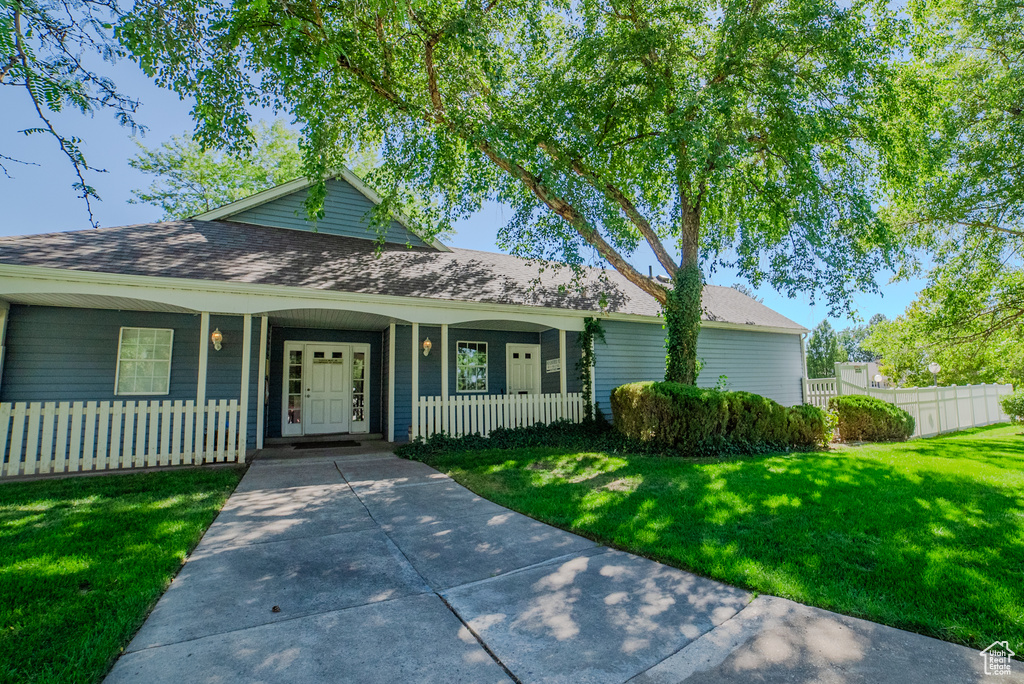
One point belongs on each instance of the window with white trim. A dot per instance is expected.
(144, 361)
(471, 367)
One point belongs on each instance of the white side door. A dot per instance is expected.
(522, 363)
(327, 403)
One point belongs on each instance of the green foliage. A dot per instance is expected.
(851, 340)
(716, 128)
(823, 352)
(590, 434)
(1013, 405)
(688, 419)
(83, 560)
(810, 427)
(191, 179)
(958, 132)
(867, 419)
(923, 334)
(682, 325)
(591, 334)
(46, 49)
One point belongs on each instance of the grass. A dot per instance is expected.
(83, 560)
(925, 535)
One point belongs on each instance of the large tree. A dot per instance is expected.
(715, 133)
(47, 49)
(191, 179)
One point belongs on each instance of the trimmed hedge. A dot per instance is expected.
(1013, 405)
(692, 419)
(867, 419)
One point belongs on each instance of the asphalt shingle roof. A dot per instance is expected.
(244, 253)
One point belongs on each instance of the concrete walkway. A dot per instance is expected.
(368, 568)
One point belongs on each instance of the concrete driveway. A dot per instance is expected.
(369, 568)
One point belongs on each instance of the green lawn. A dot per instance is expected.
(82, 561)
(925, 535)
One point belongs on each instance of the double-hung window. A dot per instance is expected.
(471, 367)
(144, 361)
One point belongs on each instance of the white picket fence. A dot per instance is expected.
(466, 415)
(935, 409)
(72, 437)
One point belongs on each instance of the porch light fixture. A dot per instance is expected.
(217, 337)
(426, 347)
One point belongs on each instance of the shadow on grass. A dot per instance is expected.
(82, 560)
(926, 535)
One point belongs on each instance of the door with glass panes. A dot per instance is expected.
(325, 388)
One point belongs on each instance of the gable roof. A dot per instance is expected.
(248, 208)
(237, 252)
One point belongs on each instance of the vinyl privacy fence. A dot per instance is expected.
(935, 409)
(83, 436)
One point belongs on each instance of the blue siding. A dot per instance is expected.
(430, 366)
(551, 382)
(346, 212)
(64, 354)
(769, 364)
(279, 336)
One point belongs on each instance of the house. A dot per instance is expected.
(194, 340)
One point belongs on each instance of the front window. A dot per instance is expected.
(144, 361)
(471, 367)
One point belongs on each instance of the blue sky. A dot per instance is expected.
(40, 199)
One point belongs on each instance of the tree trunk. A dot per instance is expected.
(683, 307)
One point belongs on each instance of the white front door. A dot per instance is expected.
(325, 388)
(326, 404)
(522, 363)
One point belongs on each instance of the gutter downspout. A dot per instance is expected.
(803, 357)
(5, 310)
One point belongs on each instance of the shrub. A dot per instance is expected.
(690, 419)
(863, 418)
(1013, 405)
(810, 427)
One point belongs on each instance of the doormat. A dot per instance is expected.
(326, 445)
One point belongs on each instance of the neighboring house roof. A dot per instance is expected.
(237, 252)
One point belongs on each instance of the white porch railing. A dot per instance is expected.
(71, 437)
(935, 409)
(468, 414)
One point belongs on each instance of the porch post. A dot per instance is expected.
(415, 380)
(261, 382)
(444, 377)
(391, 383)
(243, 403)
(204, 353)
(5, 309)
(563, 378)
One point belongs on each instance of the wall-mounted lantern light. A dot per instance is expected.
(217, 337)
(426, 347)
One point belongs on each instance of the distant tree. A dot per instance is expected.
(745, 289)
(191, 179)
(44, 49)
(851, 339)
(968, 351)
(823, 352)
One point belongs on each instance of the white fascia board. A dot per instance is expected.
(240, 298)
(722, 325)
(278, 191)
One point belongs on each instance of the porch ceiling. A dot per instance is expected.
(513, 326)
